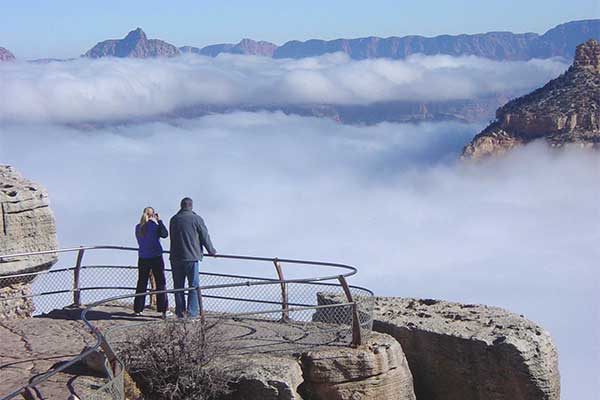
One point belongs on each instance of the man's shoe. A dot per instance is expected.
(138, 314)
(167, 314)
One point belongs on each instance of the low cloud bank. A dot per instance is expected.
(103, 90)
(519, 232)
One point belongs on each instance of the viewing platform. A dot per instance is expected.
(276, 310)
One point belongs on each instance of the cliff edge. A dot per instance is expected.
(26, 224)
(566, 111)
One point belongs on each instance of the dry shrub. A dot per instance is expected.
(132, 392)
(171, 360)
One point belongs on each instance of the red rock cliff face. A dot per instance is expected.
(565, 111)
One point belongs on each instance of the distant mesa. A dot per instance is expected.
(135, 45)
(559, 41)
(566, 111)
(6, 55)
(245, 47)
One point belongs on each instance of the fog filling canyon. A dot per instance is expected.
(116, 89)
(520, 232)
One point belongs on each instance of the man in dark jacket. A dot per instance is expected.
(188, 236)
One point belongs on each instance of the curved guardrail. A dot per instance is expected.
(357, 314)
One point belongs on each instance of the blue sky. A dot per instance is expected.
(67, 28)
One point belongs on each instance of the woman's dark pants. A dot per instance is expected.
(157, 266)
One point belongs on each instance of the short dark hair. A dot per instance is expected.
(186, 203)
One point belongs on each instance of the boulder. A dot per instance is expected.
(377, 370)
(471, 352)
(26, 225)
(95, 361)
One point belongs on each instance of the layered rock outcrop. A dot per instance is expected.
(566, 111)
(26, 224)
(471, 352)
(135, 44)
(377, 370)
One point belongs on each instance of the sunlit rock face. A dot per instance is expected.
(566, 111)
(26, 225)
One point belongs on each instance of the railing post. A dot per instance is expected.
(76, 279)
(356, 333)
(285, 317)
(110, 355)
(200, 306)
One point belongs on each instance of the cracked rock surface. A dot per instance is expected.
(471, 352)
(26, 224)
(263, 360)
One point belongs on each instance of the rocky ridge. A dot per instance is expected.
(135, 45)
(26, 224)
(6, 55)
(559, 41)
(566, 111)
(245, 46)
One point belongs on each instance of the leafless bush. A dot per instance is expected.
(171, 361)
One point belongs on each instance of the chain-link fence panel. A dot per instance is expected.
(98, 282)
(24, 295)
(113, 389)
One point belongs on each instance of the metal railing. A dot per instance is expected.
(352, 307)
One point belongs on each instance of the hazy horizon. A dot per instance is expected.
(48, 32)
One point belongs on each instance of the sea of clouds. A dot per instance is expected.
(103, 90)
(520, 232)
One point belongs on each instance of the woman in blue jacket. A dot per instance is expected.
(148, 233)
